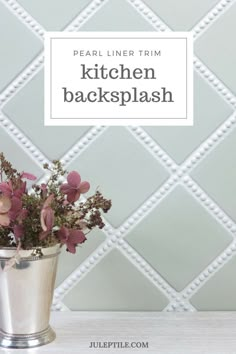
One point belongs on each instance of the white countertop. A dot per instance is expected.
(172, 333)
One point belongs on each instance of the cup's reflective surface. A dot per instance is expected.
(26, 292)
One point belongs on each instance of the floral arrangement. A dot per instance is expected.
(51, 213)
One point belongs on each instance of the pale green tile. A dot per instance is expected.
(26, 110)
(68, 262)
(18, 158)
(115, 285)
(18, 46)
(217, 174)
(208, 115)
(219, 293)
(181, 16)
(123, 169)
(217, 48)
(179, 238)
(117, 15)
(54, 15)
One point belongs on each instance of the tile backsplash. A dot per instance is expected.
(169, 241)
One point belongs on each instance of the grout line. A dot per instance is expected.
(147, 142)
(159, 25)
(209, 144)
(213, 209)
(153, 148)
(213, 81)
(221, 260)
(146, 269)
(17, 10)
(85, 15)
(32, 151)
(92, 135)
(26, 75)
(21, 80)
(212, 16)
(182, 306)
(80, 272)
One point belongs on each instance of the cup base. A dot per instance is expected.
(20, 341)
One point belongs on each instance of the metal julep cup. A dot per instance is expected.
(26, 292)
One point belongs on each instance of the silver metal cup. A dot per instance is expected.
(26, 292)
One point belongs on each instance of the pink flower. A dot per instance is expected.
(47, 215)
(74, 187)
(18, 231)
(21, 190)
(71, 238)
(6, 188)
(28, 176)
(5, 206)
(16, 208)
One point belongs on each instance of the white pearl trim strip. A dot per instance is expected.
(153, 148)
(21, 140)
(209, 271)
(211, 17)
(212, 208)
(159, 25)
(25, 17)
(178, 301)
(89, 137)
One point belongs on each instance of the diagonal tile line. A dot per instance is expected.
(213, 15)
(115, 239)
(60, 306)
(218, 263)
(181, 171)
(207, 146)
(21, 140)
(150, 273)
(24, 17)
(159, 25)
(182, 306)
(85, 15)
(153, 148)
(89, 138)
(213, 209)
(21, 80)
(216, 84)
(80, 272)
(28, 73)
(156, 198)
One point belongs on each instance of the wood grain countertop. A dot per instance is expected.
(140, 332)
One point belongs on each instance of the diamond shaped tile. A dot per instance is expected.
(217, 48)
(219, 293)
(69, 262)
(26, 110)
(123, 169)
(115, 284)
(217, 174)
(208, 114)
(181, 16)
(17, 42)
(18, 158)
(117, 16)
(54, 15)
(179, 238)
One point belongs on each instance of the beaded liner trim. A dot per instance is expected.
(178, 301)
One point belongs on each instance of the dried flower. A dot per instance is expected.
(48, 215)
(74, 187)
(71, 238)
(5, 206)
